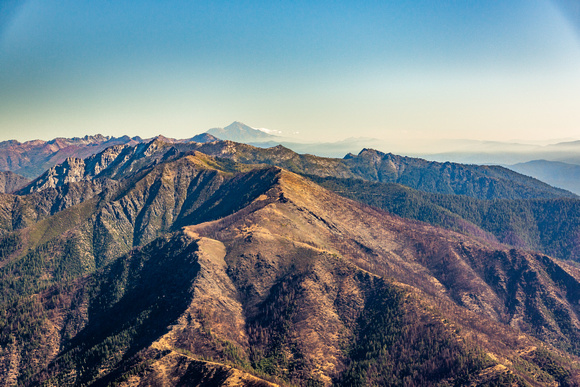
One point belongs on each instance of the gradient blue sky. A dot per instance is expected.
(490, 70)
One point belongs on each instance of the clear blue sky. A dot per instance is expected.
(484, 69)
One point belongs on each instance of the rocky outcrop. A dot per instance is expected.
(71, 171)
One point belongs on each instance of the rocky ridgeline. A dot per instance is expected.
(481, 182)
(190, 263)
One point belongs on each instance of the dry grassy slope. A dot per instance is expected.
(481, 277)
(301, 223)
(177, 369)
(469, 271)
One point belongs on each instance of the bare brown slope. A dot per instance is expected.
(177, 369)
(503, 284)
(526, 291)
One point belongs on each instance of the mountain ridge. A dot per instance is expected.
(521, 223)
(281, 278)
(31, 158)
(485, 182)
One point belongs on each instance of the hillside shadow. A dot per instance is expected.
(133, 302)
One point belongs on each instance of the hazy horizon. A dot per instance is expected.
(329, 70)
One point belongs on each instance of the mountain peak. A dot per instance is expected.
(239, 124)
(240, 132)
(369, 151)
(203, 138)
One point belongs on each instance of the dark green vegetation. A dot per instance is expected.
(129, 306)
(483, 182)
(547, 225)
(397, 346)
(160, 265)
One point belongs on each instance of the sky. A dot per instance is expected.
(401, 70)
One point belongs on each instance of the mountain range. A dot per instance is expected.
(487, 201)
(31, 158)
(558, 166)
(170, 262)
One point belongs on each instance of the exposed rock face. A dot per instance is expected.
(71, 171)
(117, 160)
(32, 158)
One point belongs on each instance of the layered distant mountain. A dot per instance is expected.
(558, 174)
(159, 264)
(471, 151)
